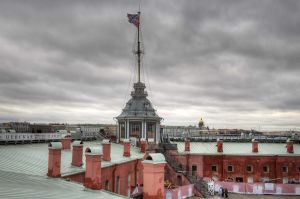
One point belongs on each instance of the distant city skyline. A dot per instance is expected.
(233, 63)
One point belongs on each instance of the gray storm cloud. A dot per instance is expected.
(234, 63)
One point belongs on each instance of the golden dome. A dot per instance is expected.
(201, 123)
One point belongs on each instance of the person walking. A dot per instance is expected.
(226, 193)
(221, 191)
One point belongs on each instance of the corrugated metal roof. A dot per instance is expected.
(33, 159)
(18, 185)
(230, 148)
(23, 170)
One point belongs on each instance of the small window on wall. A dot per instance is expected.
(249, 168)
(194, 167)
(230, 168)
(214, 168)
(284, 169)
(266, 169)
(299, 169)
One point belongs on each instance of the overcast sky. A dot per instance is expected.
(234, 63)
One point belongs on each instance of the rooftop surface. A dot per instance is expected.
(23, 170)
(229, 148)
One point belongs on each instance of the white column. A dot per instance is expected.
(143, 130)
(118, 132)
(127, 129)
(157, 132)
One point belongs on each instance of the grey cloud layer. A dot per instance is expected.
(236, 63)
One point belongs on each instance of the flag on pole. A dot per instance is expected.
(134, 19)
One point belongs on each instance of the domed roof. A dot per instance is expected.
(201, 123)
(139, 106)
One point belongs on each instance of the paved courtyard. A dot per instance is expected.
(242, 196)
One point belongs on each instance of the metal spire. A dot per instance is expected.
(139, 48)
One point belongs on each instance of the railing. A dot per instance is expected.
(101, 136)
(233, 138)
(198, 182)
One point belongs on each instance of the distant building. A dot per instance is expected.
(20, 127)
(201, 124)
(89, 128)
(40, 128)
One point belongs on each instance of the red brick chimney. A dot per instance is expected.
(143, 145)
(220, 146)
(290, 146)
(254, 146)
(153, 176)
(93, 168)
(66, 142)
(126, 144)
(186, 144)
(106, 150)
(77, 153)
(54, 159)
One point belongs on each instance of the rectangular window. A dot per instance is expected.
(266, 169)
(150, 127)
(122, 129)
(150, 130)
(194, 169)
(249, 168)
(230, 168)
(135, 127)
(135, 130)
(284, 169)
(299, 169)
(214, 168)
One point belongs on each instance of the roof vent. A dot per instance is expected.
(93, 151)
(155, 158)
(55, 145)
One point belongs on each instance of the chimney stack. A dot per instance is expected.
(93, 168)
(186, 144)
(153, 176)
(54, 159)
(66, 142)
(254, 146)
(77, 153)
(290, 146)
(106, 150)
(220, 145)
(143, 145)
(126, 144)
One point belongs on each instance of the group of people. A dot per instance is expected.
(223, 192)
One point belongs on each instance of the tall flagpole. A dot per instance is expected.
(139, 50)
